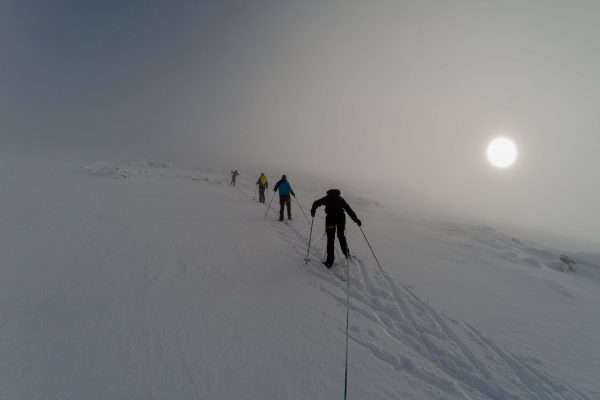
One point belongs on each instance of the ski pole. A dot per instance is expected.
(347, 326)
(367, 240)
(266, 212)
(302, 209)
(309, 239)
(254, 195)
(347, 321)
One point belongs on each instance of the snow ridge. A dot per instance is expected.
(150, 280)
(435, 355)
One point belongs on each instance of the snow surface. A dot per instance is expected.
(151, 281)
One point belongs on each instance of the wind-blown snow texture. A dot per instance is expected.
(151, 281)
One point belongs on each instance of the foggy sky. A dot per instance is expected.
(401, 96)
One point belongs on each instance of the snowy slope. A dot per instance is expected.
(152, 281)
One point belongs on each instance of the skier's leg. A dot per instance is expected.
(330, 230)
(342, 238)
(289, 207)
(281, 204)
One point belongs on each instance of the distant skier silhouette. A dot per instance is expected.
(262, 185)
(567, 260)
(234, 175)
(285, 189)
(335, 219)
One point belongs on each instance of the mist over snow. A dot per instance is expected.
(402, 97)
(131, 269)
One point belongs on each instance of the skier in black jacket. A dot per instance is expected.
(234, 174)
(335, 219)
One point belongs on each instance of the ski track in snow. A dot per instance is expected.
(447, 358)
(453, 357)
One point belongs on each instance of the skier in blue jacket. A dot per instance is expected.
(285, 189)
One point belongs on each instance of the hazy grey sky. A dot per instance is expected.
(403, 96)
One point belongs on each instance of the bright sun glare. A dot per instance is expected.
(502, 152)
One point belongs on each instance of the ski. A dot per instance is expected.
(337, 270)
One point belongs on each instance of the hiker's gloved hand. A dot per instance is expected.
(312, 213)
(358, 222)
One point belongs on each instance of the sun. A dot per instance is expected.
(502, 152)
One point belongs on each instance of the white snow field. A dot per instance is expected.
(151, 281)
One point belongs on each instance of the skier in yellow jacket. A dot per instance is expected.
(262, 185)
